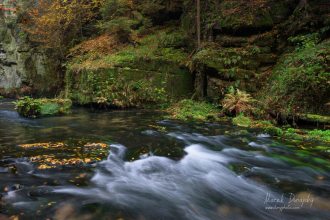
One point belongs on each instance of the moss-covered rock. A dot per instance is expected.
(300, 80)
(318, 119)
(227, 58)
(291, 134)
(226, 67)
(125, 87)
(33, 108)
(242, 121)
(188, 109)
(162, 51)
(150, 72)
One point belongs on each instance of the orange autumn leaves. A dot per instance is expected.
(59, 145)
(54, 24)
(100, 45)
(89, 152)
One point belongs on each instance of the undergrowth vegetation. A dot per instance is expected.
(238, 102)
(163, 46)
(118, 88)
(300, 83)
(33, 108)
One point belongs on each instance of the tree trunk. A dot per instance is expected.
(198, 22)
(302, 5)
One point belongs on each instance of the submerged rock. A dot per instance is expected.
(54, 154)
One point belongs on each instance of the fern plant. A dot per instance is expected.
(238, 102)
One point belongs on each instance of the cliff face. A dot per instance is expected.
(245, 39)
(23, 68)
(247, 45)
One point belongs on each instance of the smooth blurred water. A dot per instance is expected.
(157, 169)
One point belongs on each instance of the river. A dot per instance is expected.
(138, 165)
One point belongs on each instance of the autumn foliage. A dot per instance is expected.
(99, 45)
(54, 24)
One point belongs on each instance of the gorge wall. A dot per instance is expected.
(270, 48)
(23, 68)
(244, 40)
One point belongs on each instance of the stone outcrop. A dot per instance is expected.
(246, 39)
(23, 68)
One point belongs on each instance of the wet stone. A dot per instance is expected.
(71, 153)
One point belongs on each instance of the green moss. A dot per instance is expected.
(124, 87)
(266, 126)
(306, 135)
(161, 51)
(272, 130)
(322, 148)
(242, 121)
(117, 87)
(233, 59)
(315, 118)
(33, 108)
(188, 109)
(300, 81)
(319, 134)
(292, 134)
(150, 72)
(302, 162)
(49, 108)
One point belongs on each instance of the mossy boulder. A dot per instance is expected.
(188, 109)
(242, 121)
(33, 108)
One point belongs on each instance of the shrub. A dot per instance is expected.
(237, 102)
(176, 39)
(28, 107)
(33, 108)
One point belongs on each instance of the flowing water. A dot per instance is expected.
(136, 165)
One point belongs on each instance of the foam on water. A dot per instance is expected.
(190, 188)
